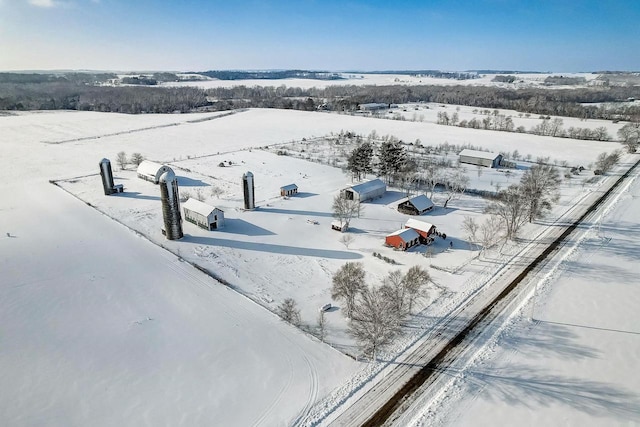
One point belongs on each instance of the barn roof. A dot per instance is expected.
(289, 187)
(365, 187)
(148, 167)
(406, 234)
(421, 202)
(418, 225)
(479, 154)
(197, 206)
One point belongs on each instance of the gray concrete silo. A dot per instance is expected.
(249, 194)
(170, 206)
(107, 176)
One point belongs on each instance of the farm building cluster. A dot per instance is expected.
(212, 218)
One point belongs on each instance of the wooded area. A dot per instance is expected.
(80, 91)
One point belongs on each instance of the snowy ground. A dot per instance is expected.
(94, 313)
(572, 353)
(523, 81)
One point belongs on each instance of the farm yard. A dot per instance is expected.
(285, 248)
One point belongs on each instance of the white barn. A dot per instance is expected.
(366, 191)
(152, 171)
(480, 158)
(203, 215)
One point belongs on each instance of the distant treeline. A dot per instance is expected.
(81, 78)
(81, 95)
(121, 99)
(564, 102)
(267, 75)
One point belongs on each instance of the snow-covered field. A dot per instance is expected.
(571, 356)
(101, 326)
(523, 81)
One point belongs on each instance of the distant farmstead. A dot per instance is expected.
(366, 191)
(403, 239)
(373, 106)
(151, 171)
(288, 190)
(480, 158)
(203, 215)
(417, 205)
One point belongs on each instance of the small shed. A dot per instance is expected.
(480, 158)
(152, 171)
(424, 229)
(203, 215)
(338, 226)
(403, 239)
(366, 191)
(416, 205)
(288, 190)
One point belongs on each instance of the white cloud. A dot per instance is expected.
(43, 3)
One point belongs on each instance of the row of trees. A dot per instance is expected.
(28, 92)
(547, 126)
(390, 160)
(71, 96)
(375, 313)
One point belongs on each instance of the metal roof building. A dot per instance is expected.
(152, 171)
(416, 205)
(365, 191)
(480, 158)
(203, 215)
(403, 239)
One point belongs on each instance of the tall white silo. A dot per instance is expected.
(170, 206)
(249, 194)
(107, 176)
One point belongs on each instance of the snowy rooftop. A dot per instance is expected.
(197, 206)
(421, 202)
(148, 167)
(479, 154)
(418, 225)
(368, 186)
(289, 187)
(406, 234)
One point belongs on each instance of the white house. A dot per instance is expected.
(203, 215)
(152, 171)
(365, 191)
(480, 158)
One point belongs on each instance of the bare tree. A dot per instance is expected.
(121, 159)
(414, 282)
(216, 191)
(136, 159)
(455, 184)
(489, 232)
(346, 240)
(629, 135)
(470, 227)
(393, 289)
(344, 210)
(199, 195)
(539, 185)
(512, 209)
(322, 325)
(605, 161)
(374, 323)
(289, 311)
(348, 282)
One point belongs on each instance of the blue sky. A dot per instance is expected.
(197, 35)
